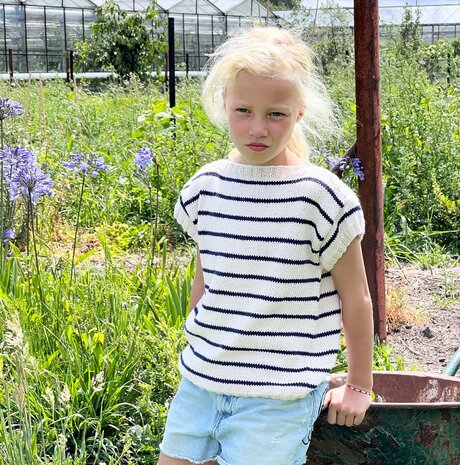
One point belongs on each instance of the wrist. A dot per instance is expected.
(360, 390)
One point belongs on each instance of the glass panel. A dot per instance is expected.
(74, 27)
(90, 17)
(3, 55)
(36, 47)
(15, 36)
(55, 39)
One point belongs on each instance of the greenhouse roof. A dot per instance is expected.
(189, 6)
(243, 8)
(53, 3)
(216, 7)
(391, 11)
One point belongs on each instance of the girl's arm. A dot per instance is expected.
(197, 290)
(348, 406)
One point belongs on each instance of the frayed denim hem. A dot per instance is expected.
(195, 462)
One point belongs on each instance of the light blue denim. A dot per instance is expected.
(231, 430)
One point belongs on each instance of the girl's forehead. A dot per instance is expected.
(250, 84)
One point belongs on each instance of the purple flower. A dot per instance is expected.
(341, 166)
(8, 108)
(337, 163)
(8, 235)
(30, 181)
(144, 158)
(86, 163)
(357, 168)
(14, 158)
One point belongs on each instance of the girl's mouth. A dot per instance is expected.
(257, 147)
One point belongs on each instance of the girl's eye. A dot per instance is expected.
(242, 110)
(276, 114)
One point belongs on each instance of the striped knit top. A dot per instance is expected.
(268, 324)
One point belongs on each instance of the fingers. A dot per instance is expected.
(327, 400)
(335, 417)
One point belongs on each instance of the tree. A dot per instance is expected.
(123, 42)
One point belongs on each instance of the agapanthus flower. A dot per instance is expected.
(8, 235)
(357, 168)
(14, 158)
(8, 108)
(340, 165)
(86, 163)
(144, 158)
(31, 182)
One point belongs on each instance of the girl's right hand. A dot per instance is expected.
(346, 407)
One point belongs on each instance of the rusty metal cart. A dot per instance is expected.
(414, 420)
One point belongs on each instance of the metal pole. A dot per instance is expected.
(171, 64)
(369, 150)
(71, 64)
(10, 63)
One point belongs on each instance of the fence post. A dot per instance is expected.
(171, 64)
(369, 150)
(186, 64)
(71, 64)
(10, 63)
(67, 66)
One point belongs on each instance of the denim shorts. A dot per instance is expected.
(203, 426)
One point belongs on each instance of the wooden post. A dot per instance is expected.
(369, 151)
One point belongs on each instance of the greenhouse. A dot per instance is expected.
(439, 19)
(35, 35)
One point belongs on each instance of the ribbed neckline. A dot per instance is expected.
(263, 171)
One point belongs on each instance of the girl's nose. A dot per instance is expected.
(258, 128)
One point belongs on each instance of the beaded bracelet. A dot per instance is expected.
(362, 391)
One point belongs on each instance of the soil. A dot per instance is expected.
(423, 310)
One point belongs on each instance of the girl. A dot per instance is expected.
(279, 266)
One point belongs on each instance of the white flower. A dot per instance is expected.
(64, 395)
(98, 381)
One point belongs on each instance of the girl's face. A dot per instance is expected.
(261, 115)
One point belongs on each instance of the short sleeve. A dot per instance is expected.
(347, 225)
(186, 210)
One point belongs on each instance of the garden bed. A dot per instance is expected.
(427, 342)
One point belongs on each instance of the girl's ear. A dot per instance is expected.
(300, 115)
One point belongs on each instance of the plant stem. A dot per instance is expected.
(80, 202)
(34, 244)
(2, 207)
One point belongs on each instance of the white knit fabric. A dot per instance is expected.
(268, 324)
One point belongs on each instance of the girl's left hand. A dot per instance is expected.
(346, 407)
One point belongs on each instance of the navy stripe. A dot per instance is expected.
(258, 258)
(191, 200)
(263, 278)
(263, 200)
(183, 205)
(266, 333)
(243, 382)
(240, 237)
(342, 219)
(258, 366)
(274, 183)
(302, 353)
(275, 219)
(286, 316)
(270, 298)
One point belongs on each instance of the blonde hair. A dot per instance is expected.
(278, 53)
